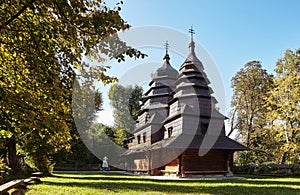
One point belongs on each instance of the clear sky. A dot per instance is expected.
(233, 32)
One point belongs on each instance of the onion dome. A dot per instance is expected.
(166, 70)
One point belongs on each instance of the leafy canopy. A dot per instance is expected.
(42, 44)
(284, 106)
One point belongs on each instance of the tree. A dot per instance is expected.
(250, 88)
(284, 107)
(34, 113)
(41, 43)
(85, 114)
(125, 102)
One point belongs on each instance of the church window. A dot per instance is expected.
(139, 139)
(144, 137)
(178, 106)
(170, 131)
(147, 117)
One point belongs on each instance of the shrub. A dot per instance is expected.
(4, 169)
(244, 169)
(296, 170)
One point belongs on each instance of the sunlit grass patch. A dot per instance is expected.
(106, 183)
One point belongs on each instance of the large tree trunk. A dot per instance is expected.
(12, 156)
(283, 159)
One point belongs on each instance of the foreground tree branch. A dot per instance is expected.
(17, 14)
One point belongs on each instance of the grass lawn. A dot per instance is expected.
(111, 183)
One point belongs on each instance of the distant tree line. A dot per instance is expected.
(125, 103)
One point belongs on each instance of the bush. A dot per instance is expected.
(244, 169)
(4, 169)
(296, 170)
(268, 169)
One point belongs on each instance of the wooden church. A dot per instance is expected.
(179, 131)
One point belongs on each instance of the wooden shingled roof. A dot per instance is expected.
(183, 141)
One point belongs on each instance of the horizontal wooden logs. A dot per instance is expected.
(10, 185)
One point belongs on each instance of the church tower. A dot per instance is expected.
(155, 108)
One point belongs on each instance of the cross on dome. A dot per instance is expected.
(167, 46)
(192, 31)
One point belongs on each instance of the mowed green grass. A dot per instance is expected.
(110, 183)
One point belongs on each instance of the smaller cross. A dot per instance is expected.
(167, 46)
(192, 31)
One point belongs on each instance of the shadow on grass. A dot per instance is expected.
(115, 182)
(122, 177)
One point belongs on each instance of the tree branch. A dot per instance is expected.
(68, 20)
(232, 121)
(17, 14)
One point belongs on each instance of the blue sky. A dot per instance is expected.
(233, 32)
